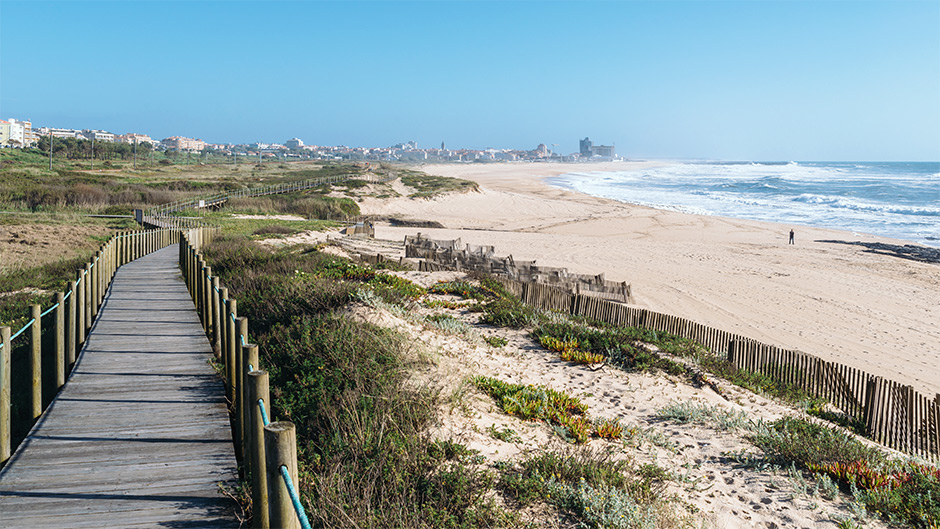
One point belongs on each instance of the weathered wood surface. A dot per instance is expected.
(140, 435)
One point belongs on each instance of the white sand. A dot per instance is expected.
(874, 312)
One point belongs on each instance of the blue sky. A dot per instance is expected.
(750, 80)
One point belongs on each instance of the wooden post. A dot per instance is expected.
(207, 299)
(95, 285)
(86, 281)
(223, 325)
(230, 348)
(70, 329)
(80, 316)
(280, 449)
(35, 360)
(5, 380)
(216, 301)
(241, 339)
(60, 366)
(250, 355)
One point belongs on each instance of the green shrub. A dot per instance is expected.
(804, 442)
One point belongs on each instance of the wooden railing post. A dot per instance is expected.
(35, 361)
(280, 449)
(5, 418)
(216, 311)
(86, 283)
(230, 348)
(238, 384)
(60, 366)
(94, 269)
(206, 282)
(223, 325)
(79, 296)
(71, 336)
(250, 353)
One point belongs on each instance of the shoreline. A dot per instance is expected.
(836, 301)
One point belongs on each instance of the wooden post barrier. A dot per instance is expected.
(86, 297)
(238, 383)
(206, 281)
(95, 286)
(223, 327)
(216, 311)
(79, 296)
(250, 358)
(230, 348)
(280, 449)
(70, 329)
(35, 361)
(60, 367)
(6, 350)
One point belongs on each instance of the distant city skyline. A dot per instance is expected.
(748, 80)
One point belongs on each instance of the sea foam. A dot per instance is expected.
(898, 200)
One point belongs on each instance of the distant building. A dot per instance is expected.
(60, 133)
(133, 138)
(589, 150)
(16, 133)
(97, 135)
(294, 143)
(179, 143)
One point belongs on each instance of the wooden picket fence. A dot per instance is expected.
(894, 414)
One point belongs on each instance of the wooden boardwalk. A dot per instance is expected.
(140, 435)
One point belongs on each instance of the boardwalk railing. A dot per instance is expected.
(893, 414)
(267, 450)
(64, 325)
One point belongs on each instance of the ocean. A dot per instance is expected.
(898, 200)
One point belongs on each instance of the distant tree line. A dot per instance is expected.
(81, 149)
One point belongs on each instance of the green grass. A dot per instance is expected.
(364, 456)
(599, 490)
(428, 186)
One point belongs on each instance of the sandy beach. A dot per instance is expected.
(875, 312)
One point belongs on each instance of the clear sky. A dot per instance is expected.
(748, 80)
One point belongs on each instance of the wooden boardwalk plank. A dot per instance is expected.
(139, 436)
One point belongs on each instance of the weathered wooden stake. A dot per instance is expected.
(241, 337)
(230, 348)
(258, 390)
(216, 334)
(280, 449)
(35, 360)
(70, 337)
(5, 418)
(79, 296)
(250, 352)
(60, 366)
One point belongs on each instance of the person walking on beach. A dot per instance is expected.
(791, 236)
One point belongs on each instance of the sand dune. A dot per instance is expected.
(874, 312)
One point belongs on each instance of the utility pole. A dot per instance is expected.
(135, 153)
(92, 151)
(51, 140)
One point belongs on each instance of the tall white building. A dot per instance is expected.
(16, 133)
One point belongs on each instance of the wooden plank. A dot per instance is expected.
(139, 436)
